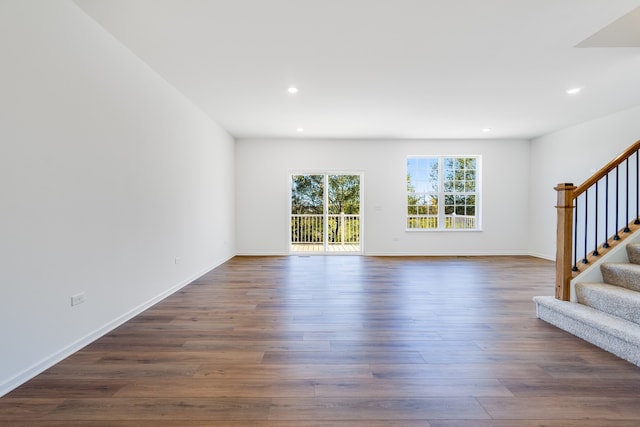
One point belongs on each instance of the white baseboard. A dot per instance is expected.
(446, 254)
(542, 256)
(395, 254)
(262, 254)
(41, 366)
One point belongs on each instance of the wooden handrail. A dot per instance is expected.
(606, 169)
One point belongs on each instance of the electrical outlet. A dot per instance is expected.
(77, 299)
(178, 260)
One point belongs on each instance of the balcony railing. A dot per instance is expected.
(463, 222)
(341, 228)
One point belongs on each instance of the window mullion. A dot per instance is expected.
(325, 213)
(441, 198)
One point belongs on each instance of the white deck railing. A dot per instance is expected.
(460, 221)
(450, 221)
(342, 228)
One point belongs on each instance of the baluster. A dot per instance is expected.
(617, 236)
(595, 239)
(626, 206)
(637, 221)
(575, 239)
(586, 226)
(606, 212)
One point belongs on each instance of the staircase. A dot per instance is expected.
(606, 314)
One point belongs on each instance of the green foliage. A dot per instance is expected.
(307, 194)
(344, 194)
(459, 174)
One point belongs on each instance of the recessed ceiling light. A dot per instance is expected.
(574, 90)
(300, 130)
(485, 130)
(292, 89)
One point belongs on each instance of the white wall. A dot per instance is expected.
(572, 155)
(262, 174)
(107, 174)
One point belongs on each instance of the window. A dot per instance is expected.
(443, 193)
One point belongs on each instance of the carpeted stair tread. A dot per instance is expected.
(611, 299)
(621, 274)
(633, 252)
(611, 333)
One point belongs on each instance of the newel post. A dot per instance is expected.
(564, 240)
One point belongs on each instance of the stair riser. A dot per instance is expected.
(622, 275)
(616, 305)
(633, 252)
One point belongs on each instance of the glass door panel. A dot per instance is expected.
(307, 213)
(343, 218)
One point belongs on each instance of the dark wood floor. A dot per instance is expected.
(341, 341)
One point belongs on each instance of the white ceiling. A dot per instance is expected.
(386, 68)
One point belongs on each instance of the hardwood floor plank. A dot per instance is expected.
(341, 357)
(561, 407)
(398, 345)
(221, 387)
(205, 409)
(495, 370)
(580, 422)
(362, 335)
(578, 387)
(247, 346)
(296, 372)
(26, 408)
(594, 371)
(340, 341)
(376, 409)
(43, 387)
(185, 357)
(411, 388)
(120, 371)
(223, 423)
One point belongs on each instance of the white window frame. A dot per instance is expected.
(440, 194)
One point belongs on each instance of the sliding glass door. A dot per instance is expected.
(325, 213)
